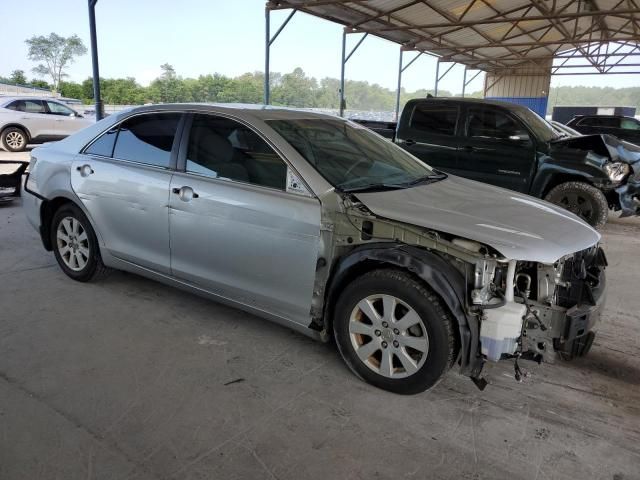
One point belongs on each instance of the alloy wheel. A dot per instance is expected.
(578, 205)
(388, 336)
(72, 243)
(15, 140)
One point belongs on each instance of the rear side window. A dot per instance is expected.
(147, 139)
(494, 124)
(434, 119)
(29, 106)
(629, 124)
(103, 146)
(600, 122)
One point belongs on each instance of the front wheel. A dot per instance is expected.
(393, 332)
(582, 199)
(75, 245)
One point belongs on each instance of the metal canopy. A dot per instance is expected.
(498, 36)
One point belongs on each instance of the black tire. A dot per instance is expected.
(93, 269)
(441, 350)
(14, 139)
(585, 200)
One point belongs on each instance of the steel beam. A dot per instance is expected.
(401, 69)
(345, 58)
(268, 40)
(94, 60)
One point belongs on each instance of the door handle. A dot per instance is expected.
(185, 193)
(409, 142)
(85, 170)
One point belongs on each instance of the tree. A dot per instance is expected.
(36, 82)
(17, 76)
(56, 52)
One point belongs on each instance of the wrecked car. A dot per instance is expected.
(510, 146)
(321, 225)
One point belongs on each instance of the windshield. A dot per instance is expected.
(541, 128)
(352, 157)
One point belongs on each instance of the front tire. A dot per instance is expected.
(75, 245)
(582, 199)
(14, 139)
(394, 332)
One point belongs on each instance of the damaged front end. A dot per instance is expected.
(541, 310)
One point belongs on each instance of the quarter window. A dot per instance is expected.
(435, 119)
(147, 139)
(225, 149)
(493, 124)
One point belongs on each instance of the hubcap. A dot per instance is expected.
(388, 336)
(73, 243)
(15, 139)
(578, 205)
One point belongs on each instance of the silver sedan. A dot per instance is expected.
(325, 227)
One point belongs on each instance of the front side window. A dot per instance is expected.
(434, 119)
(629, 124)
(349, 156)
(147, 139)
(493, 124)
(56, 108)
(223, 148)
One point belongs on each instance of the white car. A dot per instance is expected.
(29, 120)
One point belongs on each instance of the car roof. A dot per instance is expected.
(5, 99)
(262, 112)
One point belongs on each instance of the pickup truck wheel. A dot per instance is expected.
(582, 199)
(13, 139)
(75, 245)
(394, 332)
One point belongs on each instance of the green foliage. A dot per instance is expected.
(36, 82)
(600, 96)
(18, 77)
(56, 52)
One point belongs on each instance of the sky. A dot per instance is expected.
(198, 37)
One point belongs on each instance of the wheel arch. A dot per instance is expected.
(429, 268)
(16, 125)
(47, 211)
(556, 179)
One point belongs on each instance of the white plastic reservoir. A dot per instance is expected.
(500, 330)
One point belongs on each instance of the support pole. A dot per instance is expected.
(435, 90)
(464, 81)
(94, 60)
(342, 65)
(399, 86)
(267, 49)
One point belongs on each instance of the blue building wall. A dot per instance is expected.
(537, 104)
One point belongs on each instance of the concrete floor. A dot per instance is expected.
(128, 378)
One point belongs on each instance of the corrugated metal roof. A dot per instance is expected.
(493, 35)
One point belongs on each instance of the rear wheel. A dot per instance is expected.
(75, 245)
(582, 199)
(14, 139)
(394, 332)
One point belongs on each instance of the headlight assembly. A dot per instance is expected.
(617, 170)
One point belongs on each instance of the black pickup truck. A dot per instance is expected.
(510, 146)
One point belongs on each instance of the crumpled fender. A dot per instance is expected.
(629, 193)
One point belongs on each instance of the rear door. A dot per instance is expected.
(33, 115)
(237, 229)
(429, 133)
(123, 180)
(496, 148)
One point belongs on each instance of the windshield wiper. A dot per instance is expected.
(372, 187)
(426, 179)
